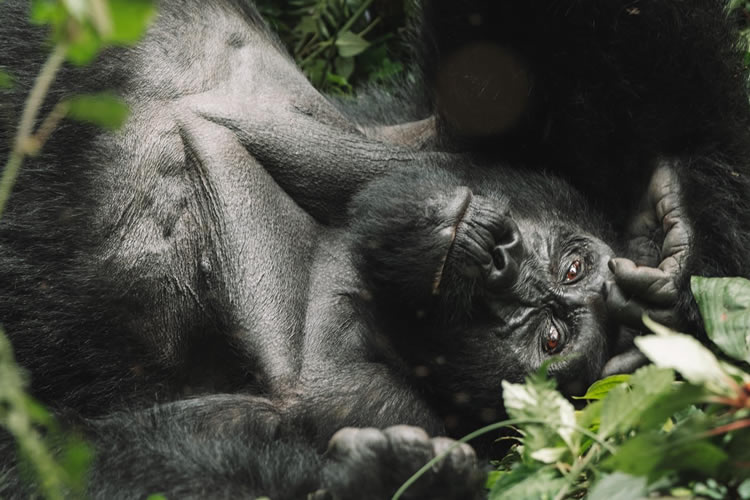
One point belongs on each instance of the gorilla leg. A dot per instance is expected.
(236, 447)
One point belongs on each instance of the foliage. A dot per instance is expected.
(339, 44)
(79, 30)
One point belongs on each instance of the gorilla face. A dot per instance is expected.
(537, 292)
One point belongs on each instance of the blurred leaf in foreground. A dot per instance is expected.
(725, 306)
(6, 80)
(105, 109)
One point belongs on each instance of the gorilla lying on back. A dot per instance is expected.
(206, 249)
(168, 260)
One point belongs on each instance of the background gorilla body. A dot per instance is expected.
(610, 96)
(165, 260)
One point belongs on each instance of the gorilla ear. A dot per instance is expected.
(481, 89)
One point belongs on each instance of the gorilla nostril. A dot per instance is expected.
(498, 258)
(505, 271)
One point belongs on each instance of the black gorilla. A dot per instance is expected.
(182, 257)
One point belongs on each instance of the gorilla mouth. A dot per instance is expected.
(455, 211)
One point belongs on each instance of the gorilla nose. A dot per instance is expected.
(506, 257)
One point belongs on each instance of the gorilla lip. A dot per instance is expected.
(456, 209)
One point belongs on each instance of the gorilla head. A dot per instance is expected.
(483, 275)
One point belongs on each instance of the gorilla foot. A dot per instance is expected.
(372, 464)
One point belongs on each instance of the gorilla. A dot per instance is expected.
(213, 292)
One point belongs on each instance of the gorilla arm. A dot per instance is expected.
(312, 151)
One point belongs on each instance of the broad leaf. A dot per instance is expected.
(725, 306)
(623, 406)
(601, 388)
(656, 454)
(105, 110)
(350, 44)
(679, 400)
(527, 483)
(538, 399)
(130, 19)
(619, 486)
(685, 354)
(6, 80)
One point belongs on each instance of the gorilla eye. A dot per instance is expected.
(552, 340)
(574, 271)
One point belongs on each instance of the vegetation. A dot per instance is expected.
(342, 44)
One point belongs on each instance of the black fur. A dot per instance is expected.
(603, 94)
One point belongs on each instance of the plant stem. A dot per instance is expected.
(362, 8)
(30, 111)
(577, 469)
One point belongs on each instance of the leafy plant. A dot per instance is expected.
(341, 43)
(645, 434)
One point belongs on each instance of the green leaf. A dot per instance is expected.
(6, 80)
(601, 388)
(655, 454)
(725, 306)
(48, 12)
(538, 399)
(339, 82)
(85, 47)
(306, 26)
(619, 486)
(743, 490)
(623, 406)
(350, 44)
(344, 66)
(680, 399)
(527, 483)
(105, 110)
(76, 459)
(698, 365)
(130, 19)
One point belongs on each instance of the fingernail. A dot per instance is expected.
(612, 265)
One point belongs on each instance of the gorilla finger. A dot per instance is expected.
(354, 443)
(668, 317)
(460, 456)
(649, 284)
(630, 311)
(627, 311)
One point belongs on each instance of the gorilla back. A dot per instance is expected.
(202, 250)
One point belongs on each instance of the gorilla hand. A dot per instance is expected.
(659, 243)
